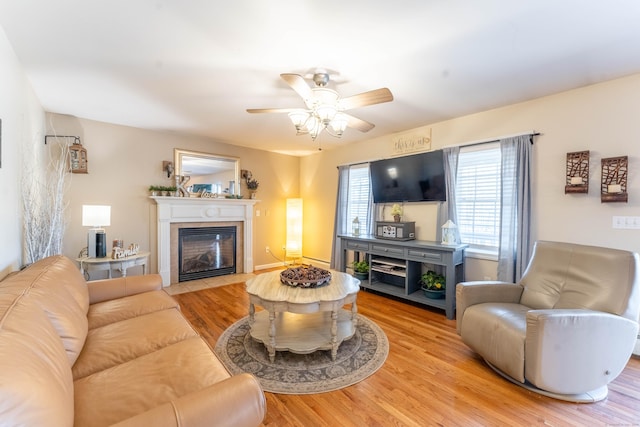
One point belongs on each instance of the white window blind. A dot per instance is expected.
(358, 199)
(478, 196)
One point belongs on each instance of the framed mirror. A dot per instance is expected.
(212, 173)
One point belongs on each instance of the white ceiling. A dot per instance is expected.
(195, 66)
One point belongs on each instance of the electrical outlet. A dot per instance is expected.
(266, 249)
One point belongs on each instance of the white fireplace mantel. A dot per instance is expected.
(192, 209)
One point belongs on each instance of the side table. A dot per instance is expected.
(107, 264)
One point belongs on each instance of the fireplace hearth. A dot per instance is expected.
(206, 252)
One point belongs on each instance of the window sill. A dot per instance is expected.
(481, 254)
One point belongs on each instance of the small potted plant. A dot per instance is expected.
(396, 211)
(361, 269)
(153, 190)
(433, 285)
(252, 185)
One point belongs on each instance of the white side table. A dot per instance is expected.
(87, 265)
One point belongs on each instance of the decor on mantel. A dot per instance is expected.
(577, 180)
(396, 211)
(613, 186)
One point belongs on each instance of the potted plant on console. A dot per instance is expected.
(396, 211)
(361, 269)
(433, 285)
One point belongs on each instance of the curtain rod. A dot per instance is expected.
(495, 139)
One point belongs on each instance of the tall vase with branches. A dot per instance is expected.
(43, 202)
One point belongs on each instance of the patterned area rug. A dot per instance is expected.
(291, 373)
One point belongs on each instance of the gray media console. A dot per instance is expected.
(396, 266)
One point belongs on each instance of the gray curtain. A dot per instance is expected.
(515, 207)
(447, 210)
(340, 222)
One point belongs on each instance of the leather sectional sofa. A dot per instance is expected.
(108, 352)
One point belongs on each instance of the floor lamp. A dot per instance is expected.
(96, 216)
(293, 247)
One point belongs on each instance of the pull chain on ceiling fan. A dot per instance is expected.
(325, 109)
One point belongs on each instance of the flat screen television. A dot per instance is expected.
(415, 178)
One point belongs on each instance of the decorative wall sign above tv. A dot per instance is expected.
(412, 143)
(613, 186)
(577, 172)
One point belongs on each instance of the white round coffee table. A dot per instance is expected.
(302, 320)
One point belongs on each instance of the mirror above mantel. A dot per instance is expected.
(209, 172)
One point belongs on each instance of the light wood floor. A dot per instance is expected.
(430, 378)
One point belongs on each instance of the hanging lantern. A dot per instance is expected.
(78, 157)
(449, 231)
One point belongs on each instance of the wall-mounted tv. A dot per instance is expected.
(415, 178)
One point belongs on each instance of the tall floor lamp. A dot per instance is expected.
(293, 248)
(96, 216)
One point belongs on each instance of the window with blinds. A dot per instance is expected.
(358, 199)
(478, 196)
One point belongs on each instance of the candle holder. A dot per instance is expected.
(577, 172)
(613, 185)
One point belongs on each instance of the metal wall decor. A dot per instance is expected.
(613, 185)
(577, 172)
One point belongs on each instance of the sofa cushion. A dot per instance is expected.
(120, 342)
(36, 388)
(497, 331)
(141, 384)
(104, 313)
(56, 285)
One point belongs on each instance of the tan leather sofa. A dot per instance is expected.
(569, 326)
(110, 352)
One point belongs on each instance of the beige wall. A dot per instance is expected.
(22, 132)
(124, 161)
(601, 118)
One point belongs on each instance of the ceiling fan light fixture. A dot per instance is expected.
(339, 123)
(326, 113)
(299, 119)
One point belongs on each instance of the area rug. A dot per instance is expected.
(291, 373)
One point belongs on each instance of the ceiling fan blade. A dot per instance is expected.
(359, 124)
(372, 97)
(271, 110)
(297, 83)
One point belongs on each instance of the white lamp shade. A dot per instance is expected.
(96, 215)
(294, 228)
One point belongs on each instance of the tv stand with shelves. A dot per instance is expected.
(396, 267)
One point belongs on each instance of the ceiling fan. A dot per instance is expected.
(325, 109)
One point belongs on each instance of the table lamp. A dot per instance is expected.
(96, 216)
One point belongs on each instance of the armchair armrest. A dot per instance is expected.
(574, 351)
(108, 289)
(478, 292)
(237, 401)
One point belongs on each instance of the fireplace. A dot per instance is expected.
(206, 252)
(174, 213)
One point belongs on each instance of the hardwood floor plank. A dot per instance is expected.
(429, 379)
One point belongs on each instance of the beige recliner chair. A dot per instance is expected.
(569, 326)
